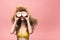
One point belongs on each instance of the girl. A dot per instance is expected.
(23, 23)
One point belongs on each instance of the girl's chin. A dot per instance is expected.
(22, 19)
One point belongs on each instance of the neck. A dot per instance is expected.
(22, 24)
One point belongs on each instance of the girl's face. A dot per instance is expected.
(22, 15)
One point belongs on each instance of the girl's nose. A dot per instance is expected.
(22, 18)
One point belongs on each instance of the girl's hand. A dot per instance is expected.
(27, 18)
(16, 18)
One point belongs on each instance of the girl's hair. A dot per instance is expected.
(19, 9)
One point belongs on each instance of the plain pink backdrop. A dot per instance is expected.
(47, 12)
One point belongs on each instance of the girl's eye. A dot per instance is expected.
(18, 14)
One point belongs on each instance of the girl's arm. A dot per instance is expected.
(29, 27)
(13, 28)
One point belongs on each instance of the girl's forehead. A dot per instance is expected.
(22, 12)
(18, 12)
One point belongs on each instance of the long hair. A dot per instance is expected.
(33, 21)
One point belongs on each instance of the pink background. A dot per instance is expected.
(47, 12)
